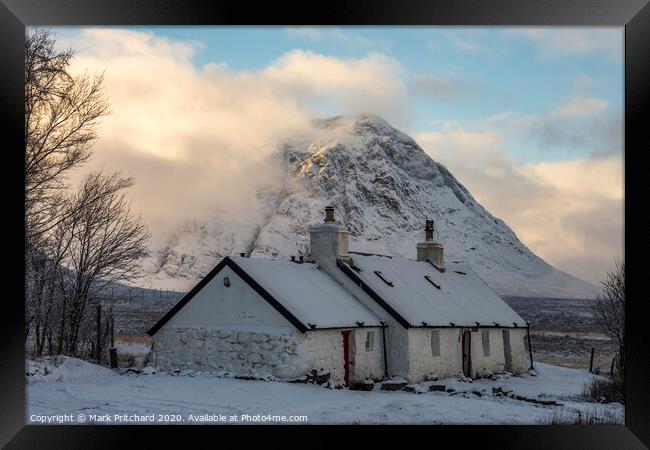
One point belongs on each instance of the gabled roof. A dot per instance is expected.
(416, 294)
(301, 292)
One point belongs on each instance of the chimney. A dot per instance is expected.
(329, 214)
(429, 249)
(328, 241)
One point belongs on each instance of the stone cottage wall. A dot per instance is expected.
(495, 362)
(422, 362)
(231, 350)
(368, 363)
(281, 352)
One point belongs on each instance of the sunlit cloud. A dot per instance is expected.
(197, 139)
(568, 212)
(606, 42)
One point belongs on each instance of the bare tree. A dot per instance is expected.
(61, 115)
(609, 310)
(104, 244)
(75, 242)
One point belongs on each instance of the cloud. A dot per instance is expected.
(443, 88)
(607, 42)
(195, 139)
(333, 34)
(454, 38)
(570, 213)
(582, 125)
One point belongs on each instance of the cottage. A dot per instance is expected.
(355, 315)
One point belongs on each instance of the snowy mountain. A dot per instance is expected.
(384, 187)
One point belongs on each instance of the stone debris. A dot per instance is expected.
(437, 388)
(394, 384)
(321, 376)
(366, 385)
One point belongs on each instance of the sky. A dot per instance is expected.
(530, 120)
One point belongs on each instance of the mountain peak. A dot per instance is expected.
(384, 186)
(358, 122)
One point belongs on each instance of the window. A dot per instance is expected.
(486, 342)
(435, 343)
(378, 273)
(428, 278)
(370, 341)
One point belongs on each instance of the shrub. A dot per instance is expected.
(605, 390)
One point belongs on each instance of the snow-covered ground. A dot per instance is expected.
(86, 393)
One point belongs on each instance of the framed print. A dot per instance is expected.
(379, 216)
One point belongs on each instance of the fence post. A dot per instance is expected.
(611, 370)
(530, 346)
(591, 361)
(99, 334)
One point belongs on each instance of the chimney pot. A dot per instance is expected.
(329, 214)
(242, 255)
(429, 249)
(302, 258)
(428, 230)
(293, 258)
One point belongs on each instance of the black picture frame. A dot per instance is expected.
(634, 15)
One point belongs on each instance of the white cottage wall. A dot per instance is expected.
(520, 357)
(216, 304)
(396, 334)
(368, 363)
(233, 329)
(495, 361)
(230, 349)
(422, 361)
(277, 351)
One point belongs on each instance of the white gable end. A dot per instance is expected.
(217, 305)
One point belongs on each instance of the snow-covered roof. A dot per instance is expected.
(308, 293)
(301, 292)
(423, 296)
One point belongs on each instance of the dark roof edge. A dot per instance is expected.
(368, 290)
(244, 276)
(370, 254)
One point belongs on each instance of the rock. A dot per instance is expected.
(321, 376)
(148, 371)
(367, 385)
(414, 388)
(478, 392)
(430, 377)
(395, 384)
(302, 379)
(501, 389)
(246, 377)
(437, 388)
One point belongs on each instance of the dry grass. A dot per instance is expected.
(605, 390)
(597, 416)
(134, 338)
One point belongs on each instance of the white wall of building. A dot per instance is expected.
(217, 304)
(233, 329)
(278, 351)
(495, 361)
(367, 363)
(422, 360)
